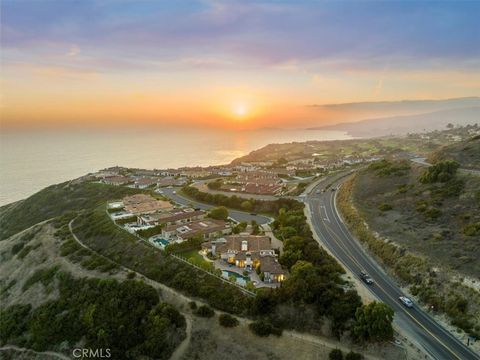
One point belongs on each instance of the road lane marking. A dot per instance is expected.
(387, 294)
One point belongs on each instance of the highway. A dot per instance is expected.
(334, 235)
(172, 193)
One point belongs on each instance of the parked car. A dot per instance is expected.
(253, 214)
(366, 278)
(406, 301)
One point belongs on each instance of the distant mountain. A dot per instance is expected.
(403, 124)
(410, 106)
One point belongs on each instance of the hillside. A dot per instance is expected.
(467, 154)
(324, 151)
(53, 301)
(404, 124)
(425, 227)
(77, 280)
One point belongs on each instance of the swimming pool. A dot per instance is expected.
(241, 280)
(160, 242)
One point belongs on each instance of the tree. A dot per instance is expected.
(373, 322)
(247, 205)
(237, 229)
(335, 354)
(255, 228)
(219, 213)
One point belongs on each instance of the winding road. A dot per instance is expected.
(172, 194)
(334, 235)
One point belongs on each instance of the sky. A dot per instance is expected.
(233, 64)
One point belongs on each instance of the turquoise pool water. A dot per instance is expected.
(161, 242)
(241, 280)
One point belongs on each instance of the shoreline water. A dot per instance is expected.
(32, 161)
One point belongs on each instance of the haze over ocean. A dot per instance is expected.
(35, 160)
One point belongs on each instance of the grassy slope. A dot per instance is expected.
(326, 150)
(54, 201)
(467, 154)
(441, 239)
(428, 247)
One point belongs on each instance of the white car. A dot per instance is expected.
(406, 301)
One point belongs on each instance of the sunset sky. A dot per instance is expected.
(228, 63)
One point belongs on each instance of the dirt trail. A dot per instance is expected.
(29, 352)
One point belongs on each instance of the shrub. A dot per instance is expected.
(335, 354)
(45, 276)
(432, 213)
(442, 171)
(205, 311)
(385, 207)
(353, 356)
(17, 247)
(228, 321)
(13, 321)
(472, 229)
(193, 305)
(263, 328)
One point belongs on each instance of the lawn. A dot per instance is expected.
(194, 257)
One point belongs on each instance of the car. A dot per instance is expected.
(333, 189)
(174, 192)
(406, 301)
(318, 191)
(366, 278)
(253, 214)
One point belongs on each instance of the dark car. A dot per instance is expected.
(366, 278)
(253, 214)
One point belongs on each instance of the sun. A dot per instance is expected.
(240, 110)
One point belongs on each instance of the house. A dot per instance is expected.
(195, 172)
(171, 181)
(257, 177)
(207, 228)
(272, 270)
(178, 216)
(145, 182)
(248, 252)
(116, 180)
(258, 182)
(282, 171)
(144, 204)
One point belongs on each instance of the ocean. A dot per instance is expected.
(31, 161)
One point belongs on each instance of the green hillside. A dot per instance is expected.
(423, 223)
(466, 153)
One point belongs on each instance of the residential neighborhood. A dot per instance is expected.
(162, 223)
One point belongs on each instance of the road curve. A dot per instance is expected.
(334, 235)
(172, 194)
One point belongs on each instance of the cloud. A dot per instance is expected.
(74, 50)
(342, 36)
